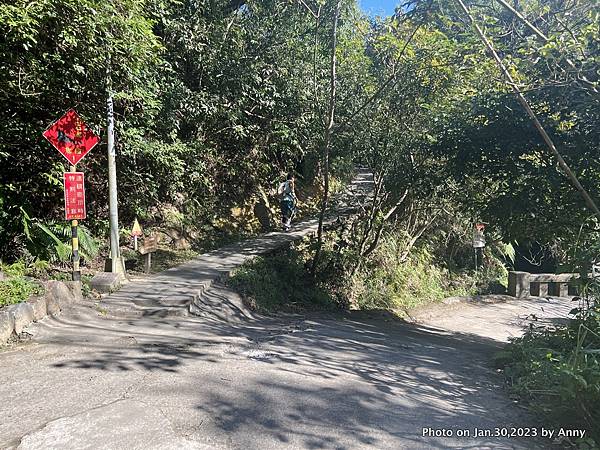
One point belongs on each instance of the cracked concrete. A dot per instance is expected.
(133, 425)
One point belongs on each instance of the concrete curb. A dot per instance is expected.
(58, 296)
(214, 299)
(201, 304)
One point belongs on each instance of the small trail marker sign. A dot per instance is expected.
(74, 196)
(71, 136)
(137, 229)
(149, 247)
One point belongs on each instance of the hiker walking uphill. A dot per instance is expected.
(287, 191)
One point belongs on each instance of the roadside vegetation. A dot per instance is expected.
(388, 280)
(280, 282)
(215, 101)
(17, 286)
(556, 369)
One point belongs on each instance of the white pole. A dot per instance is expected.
(115, 255)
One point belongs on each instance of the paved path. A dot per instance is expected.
(497, 317)
(140, 379)
(186, 288)
(355, 381)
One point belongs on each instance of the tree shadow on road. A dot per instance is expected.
(339, 384)
(351, 381)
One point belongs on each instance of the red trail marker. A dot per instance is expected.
(71, 136)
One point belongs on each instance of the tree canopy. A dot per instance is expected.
(215, 100)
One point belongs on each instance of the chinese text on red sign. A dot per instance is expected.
(74, 196)
(71, 136)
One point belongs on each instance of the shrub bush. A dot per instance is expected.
(387, 282)
(16, 287)
(16, 290)
(557, 372)
(280, 281)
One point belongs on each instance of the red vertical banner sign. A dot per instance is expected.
(74, 196)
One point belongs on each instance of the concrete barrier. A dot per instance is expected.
(524, 284)
(58, 295)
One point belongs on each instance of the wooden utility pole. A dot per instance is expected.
(521, 98)
(115, 263)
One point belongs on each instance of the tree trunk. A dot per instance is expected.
(525, 104)
(379, 231)
(327, 137)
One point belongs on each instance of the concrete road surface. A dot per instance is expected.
(354, 381)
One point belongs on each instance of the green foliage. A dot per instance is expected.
(213, 102)
(37, 268)
(16, 288)
(510, 178)
(557, 371)
(52, 242)
(217, 100)
(279, 282)
(54, 55)
(387, 282)
(16, 269)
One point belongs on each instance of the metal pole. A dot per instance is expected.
(115, 255)
(75, 246)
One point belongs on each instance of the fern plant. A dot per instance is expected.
(51, 241)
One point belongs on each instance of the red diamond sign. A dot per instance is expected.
(71, 136)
